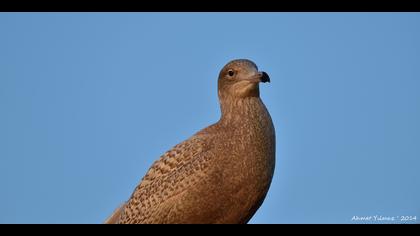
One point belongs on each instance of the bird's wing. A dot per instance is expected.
(175, 171)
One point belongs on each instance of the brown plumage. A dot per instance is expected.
(223, 172)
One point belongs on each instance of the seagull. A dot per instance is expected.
(221, 174)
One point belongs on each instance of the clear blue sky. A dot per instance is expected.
(89, 100)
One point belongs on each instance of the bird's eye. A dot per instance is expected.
(231, 72)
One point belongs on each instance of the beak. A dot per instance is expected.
(259, 77)
(264, 77)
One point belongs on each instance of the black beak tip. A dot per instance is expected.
(265, 78)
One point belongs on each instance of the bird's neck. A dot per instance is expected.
(246, 109)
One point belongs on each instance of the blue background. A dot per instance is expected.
(89, 100)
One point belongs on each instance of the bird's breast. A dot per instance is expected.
(246, 164)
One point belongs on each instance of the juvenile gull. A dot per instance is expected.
(219, 175)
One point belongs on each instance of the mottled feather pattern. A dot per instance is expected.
(167, 177)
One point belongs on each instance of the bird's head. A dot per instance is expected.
(239, 79)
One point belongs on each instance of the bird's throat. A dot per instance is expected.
(236, 109)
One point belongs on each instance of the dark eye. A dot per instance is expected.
(231, 73)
